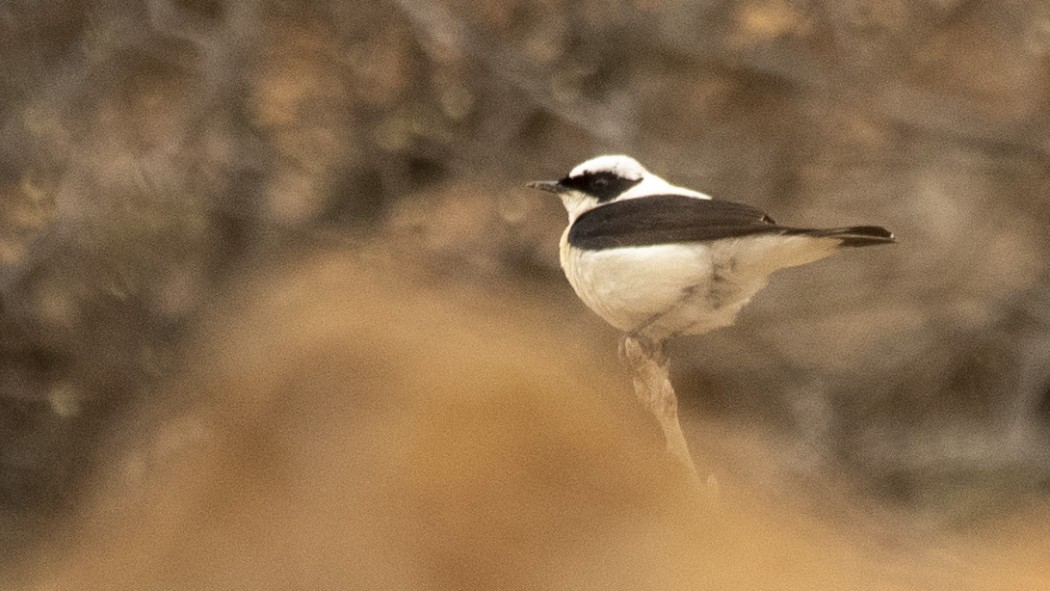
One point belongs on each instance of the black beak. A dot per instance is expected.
(548, 186)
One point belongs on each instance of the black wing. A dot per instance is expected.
(676, 218)
(667, 218)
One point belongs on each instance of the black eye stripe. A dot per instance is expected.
(603, 185)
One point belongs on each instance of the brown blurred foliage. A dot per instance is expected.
(156, 155)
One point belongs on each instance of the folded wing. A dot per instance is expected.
(666, 219)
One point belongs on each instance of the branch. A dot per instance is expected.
(652, 385)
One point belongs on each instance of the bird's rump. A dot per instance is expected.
(663, 219)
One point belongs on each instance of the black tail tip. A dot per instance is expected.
(865, 236)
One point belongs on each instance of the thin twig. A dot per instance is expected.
(652, 385)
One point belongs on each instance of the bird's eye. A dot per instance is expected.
(601, 182)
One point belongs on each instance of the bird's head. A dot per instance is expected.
(606, 179)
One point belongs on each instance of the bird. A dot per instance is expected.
(659, 261)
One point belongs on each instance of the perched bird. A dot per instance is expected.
(657, 261)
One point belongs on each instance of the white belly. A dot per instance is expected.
(676, 289)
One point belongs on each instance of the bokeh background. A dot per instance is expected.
(165, 164)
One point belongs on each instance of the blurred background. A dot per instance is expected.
(168, 165)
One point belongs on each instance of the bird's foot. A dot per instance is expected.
(636, 350)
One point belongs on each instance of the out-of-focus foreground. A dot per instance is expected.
(419, 439)
(164, 165)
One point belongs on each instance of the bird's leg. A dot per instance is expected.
(636, 332)
(649, 365)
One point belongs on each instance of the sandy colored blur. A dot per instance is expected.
(339, 427)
